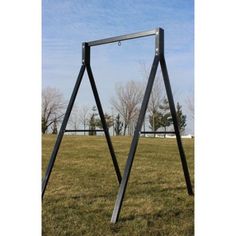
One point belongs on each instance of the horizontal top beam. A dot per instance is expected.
(123, 37)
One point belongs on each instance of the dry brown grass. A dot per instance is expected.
(81, 193)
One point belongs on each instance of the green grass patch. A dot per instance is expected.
(82, 189)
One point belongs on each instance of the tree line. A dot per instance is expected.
(126, 105)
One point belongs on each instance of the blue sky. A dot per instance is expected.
(66, 24)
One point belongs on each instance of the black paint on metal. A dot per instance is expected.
(159, 57)
(122, 38)
(175, 123)
(62, 130)
(106, 131)
(134, 143)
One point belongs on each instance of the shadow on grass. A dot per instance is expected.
(151, 217)
(82, 196)
(157, 189)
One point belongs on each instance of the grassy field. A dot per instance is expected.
(81, 192)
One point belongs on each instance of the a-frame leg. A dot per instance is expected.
(175, 122)
(106, 131)
(62, 129)
(123, 185)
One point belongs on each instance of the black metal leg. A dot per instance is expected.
(106, 131)
(62, 129)
(123, 185)
(175, 122)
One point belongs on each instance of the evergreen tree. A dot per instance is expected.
(108, 119)
(180, 118)
(155, 121)
(93, 122)
(118, 125)
(54, 126)
(165, 119)
(92, 125)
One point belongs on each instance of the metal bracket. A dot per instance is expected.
(85, 53)
(159, 42)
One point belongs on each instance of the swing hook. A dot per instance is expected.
(119, 43)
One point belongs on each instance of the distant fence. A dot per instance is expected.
(170, 136)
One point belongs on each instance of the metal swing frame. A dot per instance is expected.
(158, 58)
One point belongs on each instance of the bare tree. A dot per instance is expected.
(83, 116)
(190, 106)
(156, 94)
(79, 116)
(53, 106)
(133, 121)
(127, 102)
(74, 118)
